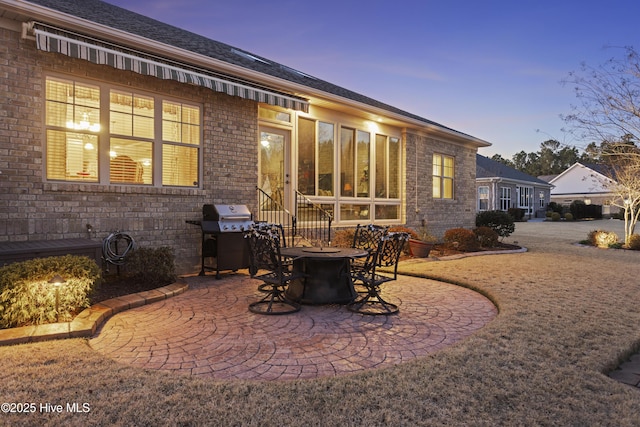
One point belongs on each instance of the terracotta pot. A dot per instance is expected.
(419, 248)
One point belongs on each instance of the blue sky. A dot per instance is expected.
(491, 69)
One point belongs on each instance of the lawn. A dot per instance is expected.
(568, 314)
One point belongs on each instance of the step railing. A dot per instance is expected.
(313, 223)
(270, 210)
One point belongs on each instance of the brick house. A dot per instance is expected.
(500, 187)
(117, 121)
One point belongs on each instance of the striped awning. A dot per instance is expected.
(55, 40)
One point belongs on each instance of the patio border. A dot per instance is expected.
(87, 322)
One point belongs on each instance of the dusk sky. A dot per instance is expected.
(491, 69)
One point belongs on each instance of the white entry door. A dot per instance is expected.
(274, 168)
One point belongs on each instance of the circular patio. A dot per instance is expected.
(208, 331)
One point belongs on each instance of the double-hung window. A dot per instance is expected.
(106, 135)
(483, 198)
(443, 174)
(505, 198)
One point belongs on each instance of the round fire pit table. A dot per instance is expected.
(327, 274)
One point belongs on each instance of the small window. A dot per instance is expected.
(443, 174)
(483, 198)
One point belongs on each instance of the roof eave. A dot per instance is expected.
(32, 11)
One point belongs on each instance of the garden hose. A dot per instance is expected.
(112, 247)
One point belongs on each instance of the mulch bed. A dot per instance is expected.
(114, 285)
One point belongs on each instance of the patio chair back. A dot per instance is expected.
(391, 250)
(278, 229)
(387, 254)
(368, 236)
(264, 252)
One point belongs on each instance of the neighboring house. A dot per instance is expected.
(114, 121)
(500, 187)
(585, 182)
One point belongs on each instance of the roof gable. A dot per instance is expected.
(582, 179)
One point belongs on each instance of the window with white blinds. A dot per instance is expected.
(101, 134)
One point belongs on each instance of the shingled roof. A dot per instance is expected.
(487, 168)
(143, 26)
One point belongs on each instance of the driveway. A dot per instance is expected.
(574, 231)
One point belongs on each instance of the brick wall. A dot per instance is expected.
(439, 214)
(31, 209)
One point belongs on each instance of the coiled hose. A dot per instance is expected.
(116, 246)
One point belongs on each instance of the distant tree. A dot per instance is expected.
(608, 110)
(500, 159)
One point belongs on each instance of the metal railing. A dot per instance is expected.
(313, 223)
(270, 210)
(310, 222)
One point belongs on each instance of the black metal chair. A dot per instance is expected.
(387, 254)
(278, 229)
(367, 236)
(274, 228)
(264, 252)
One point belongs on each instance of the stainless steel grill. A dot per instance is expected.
(222, 237)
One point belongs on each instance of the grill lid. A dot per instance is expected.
(226, 213)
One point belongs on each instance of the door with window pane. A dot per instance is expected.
(274, 174)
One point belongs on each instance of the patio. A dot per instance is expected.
(568, 316)
(209, 332)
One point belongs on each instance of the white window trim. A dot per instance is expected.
(104, 135)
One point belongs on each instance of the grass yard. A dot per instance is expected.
(568, 315)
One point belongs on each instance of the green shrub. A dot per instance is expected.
(27, 297)
(548, 214)
(516, 213)
(568, 216)
(602, 239)
(555, 207)
(487, 237)
(555, 216)
(501, 222)
(152, 265)
(634, 242)
(461, 239)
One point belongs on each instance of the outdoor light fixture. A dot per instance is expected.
(56, 281)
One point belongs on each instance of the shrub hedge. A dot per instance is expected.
(151, 264)
(27, 297)
(501, 222)
(461, 239)
(487, 237)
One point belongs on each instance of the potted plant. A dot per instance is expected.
(422, 245)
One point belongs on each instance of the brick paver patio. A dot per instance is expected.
(208, 331)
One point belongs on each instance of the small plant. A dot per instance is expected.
(634, 242)
(28, 298)
(555, 216)
(568, 216)
(152, 265)
(501, 222)
(487, 237)
(461, 239)
(602, 239)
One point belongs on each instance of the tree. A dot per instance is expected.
(609, 111)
